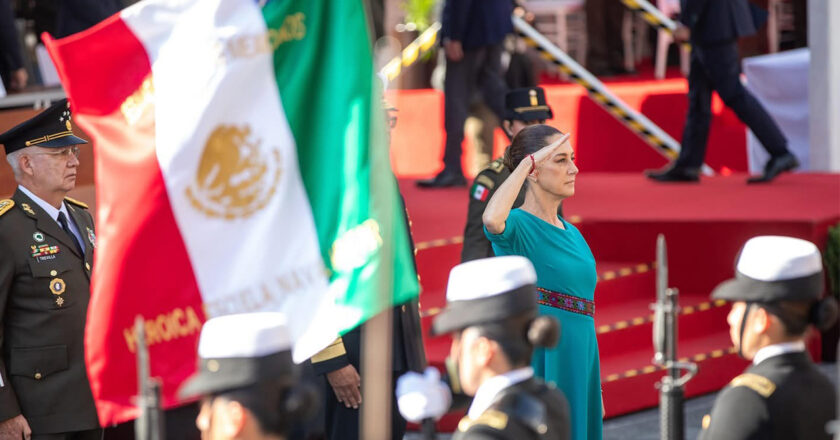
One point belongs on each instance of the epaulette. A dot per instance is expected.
(332, 351)
(760, 384)
(5, 205)
(76, 202)
(486, 181)
(496, 166)
(527, 409)
(492, 418)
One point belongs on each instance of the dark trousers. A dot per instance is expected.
(90, 434)
(342, 423)
(718, 68)
(479, 69)
(605, 49)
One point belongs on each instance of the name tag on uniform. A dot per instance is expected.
(44, 252)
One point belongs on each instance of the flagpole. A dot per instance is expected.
(376, 374)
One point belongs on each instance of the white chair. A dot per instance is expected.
(562, 22)
(664, 40)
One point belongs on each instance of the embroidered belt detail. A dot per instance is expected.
(566, 302)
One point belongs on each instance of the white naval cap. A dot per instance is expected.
(244, 335)
(775, 268)
(487, 290)
(239, 350)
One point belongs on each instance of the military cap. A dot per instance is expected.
(775, 268)
(487, 290)
(240, 350)
(527, 104)
(49, 129)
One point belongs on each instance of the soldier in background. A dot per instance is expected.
(523, 107)
(776, 296)
(248, 384)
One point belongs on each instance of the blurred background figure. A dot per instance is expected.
(12, 70)
(605, 48)
(472, 37)
(713, 28)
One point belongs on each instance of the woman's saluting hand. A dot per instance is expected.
(546, 152)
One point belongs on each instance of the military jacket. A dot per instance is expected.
(526, 410)
(783, 397)
(407, 340)
(44, 294)
(476, 245)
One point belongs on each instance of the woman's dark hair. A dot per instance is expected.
(519, 335)
(797, 315)
(277, 405)
(528, 141)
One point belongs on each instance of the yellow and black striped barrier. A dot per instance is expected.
(654, 136)
(700, 357)
(412, 52)
(639, 320)
(651, 14)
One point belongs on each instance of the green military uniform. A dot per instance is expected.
(526, 410)
(525, 104)
(44, 294)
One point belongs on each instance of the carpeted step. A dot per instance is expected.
(629, 379)
(629, 325)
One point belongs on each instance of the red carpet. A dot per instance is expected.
(620, 215)
(602, 143)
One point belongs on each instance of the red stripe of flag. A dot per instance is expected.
(142, 265)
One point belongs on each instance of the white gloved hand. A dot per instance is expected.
(422, 396)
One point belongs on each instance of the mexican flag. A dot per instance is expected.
(241, 165)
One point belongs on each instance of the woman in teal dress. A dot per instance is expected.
(542, 156)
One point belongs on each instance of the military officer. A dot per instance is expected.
(249, 385)
(491, 313)
(46, 252)
(776, 296)
(340, 362)
(523, 107)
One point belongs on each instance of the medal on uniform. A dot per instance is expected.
(57, 287)
(38, 236)
(43, 250)
(27, 208)
(91, 237)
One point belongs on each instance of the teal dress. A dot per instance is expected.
(566, 280)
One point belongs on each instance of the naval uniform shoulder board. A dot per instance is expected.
(76, 202)
(5, 205)
(492, 418)
(760, 384)
(497, 166)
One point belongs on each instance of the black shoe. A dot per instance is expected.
(442, 180)
(674, 173)
(775, 166)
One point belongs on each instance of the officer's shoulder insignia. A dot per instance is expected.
(5, 205)
(496, 166)
(760, 384)
(492, 418)
(76, 202)
(485, 180)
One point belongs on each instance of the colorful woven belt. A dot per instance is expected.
(565, 302)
